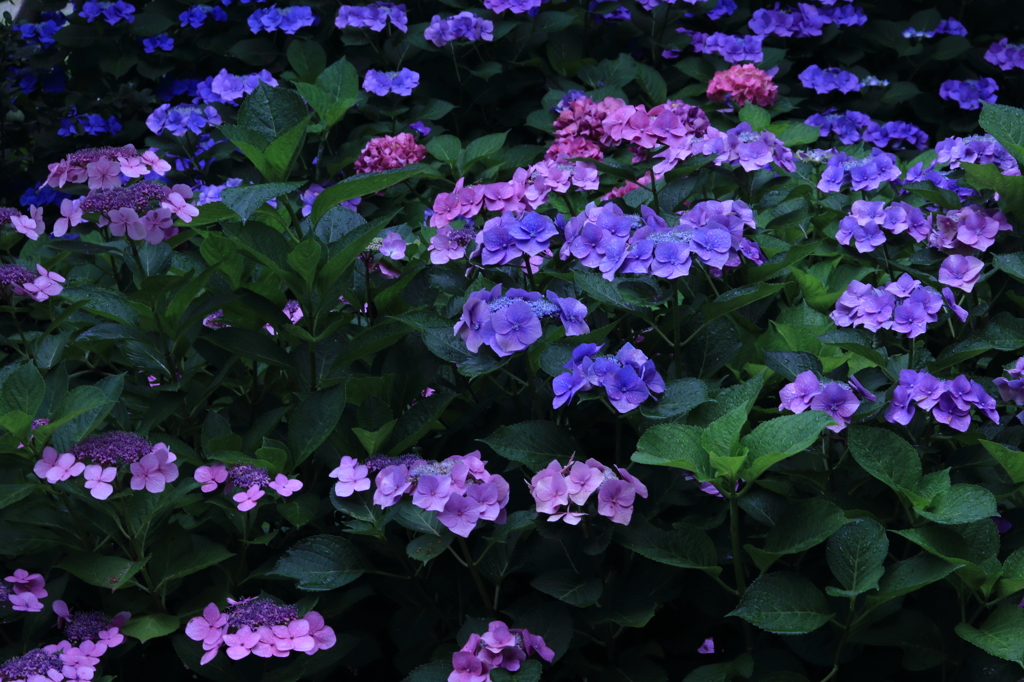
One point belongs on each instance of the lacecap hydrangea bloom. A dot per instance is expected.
(261, 627)
(464, 25)
(182, 118)
(99, 458)
(981, 149)
(970, 94)
(823, 81)
(458, 489)
(513, 6)
(374, 16)
(1012, 389)
(382, 83)
(557, 490)
(950, 402)
(866, 173)
(227, 88)
(22, 591)
(499, 647)
(288, 20)
(628, 377)
(836, 399)
(514, 235)
(249, 480)
(510, 322)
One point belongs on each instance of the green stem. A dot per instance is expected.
(476, 575)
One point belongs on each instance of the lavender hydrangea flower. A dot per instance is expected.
(732, 48)
(1005, 56)
(847, 125)
(970, 94)
(464, 25)
(289, 19)
(374, 16)
(381, 83)
(514, 6)
(866, 173)
(982, 149)
(826, 80)
(961, 272)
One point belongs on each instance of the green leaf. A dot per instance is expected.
(481, 148)
(270, 112)
(78, 427)
(418, 420)
(1012, 579)
(777, 439)
(148, 24)
(427, 547)
(281, 153)
(900, 91)
(756, 116)
(857, 341)
(652, 83)
(680, 396)
(335, 91)
(108, 572)
(151, 626)
(445, 148)
(313, 419)
(568, 586)
(1012, 460)
(794, 133)
(304, 260)
(789, 364)
(912, 574)
(321, 562)
(1010, 263)
(973, 543)
(675, 445)
(14, 492)
(734, 299)
(22, 391)
(962, 503)
(784, 603)
(251, 345)
(855, 554)
(307, 59)
(683, 546)
(1006, 124)
(373, 441)
(195, 561)
(533, 444)
(804, 524)
(363, 184)
(945, 198)
(722, 437)
(244, 200)
(1001, 635)
(885, 456)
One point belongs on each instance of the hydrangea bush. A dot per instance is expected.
(512, 340)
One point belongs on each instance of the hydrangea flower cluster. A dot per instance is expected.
(97, 459)
(248, 478)
(374, 16)
(970, 94)
(864, 225)
(13, 277)
(555, 487)
(389, 151)
(836, 399)
(804, 22)
(182, 118)
(512, 236)
(289, 20)
(499, 647)
(867, 173)
(948, 26)
(40, 287)
(949, 402)
(966, 229)
(981, 149)
(161, 41)
(141, 211)
(88, 124)
(227, 88)
(196, 15)
(527, 190)
(259, 626)
(745, 147)
(22, 591)
(905, 306)
(514, 6)
(102, 167)
(464, 25)
(1012, 389)
(381, 83)
(1005, 56)
(112, 12)
(31, 225)
(853, 126)
(43, 31)
(731, 48)
(459, 489)
(510, 322)
(89, 636)
(826, 80)
(743, 84)
(629, 377)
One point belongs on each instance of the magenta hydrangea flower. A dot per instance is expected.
(155, 470)
(351, 475)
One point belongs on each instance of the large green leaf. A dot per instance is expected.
(363, 184)
(321, 562)
(1012, 460)
(962, 503)
(683, 546)
(1006, 124)
(533, 444)
(885, 456)
(568, 586)
(1002, 633)
(855, 554)
(108, 572)
(675, 445)
(777, 439)
(151, 626)
(244, 200)
(22, 391)
(313, 419)
(784, 603)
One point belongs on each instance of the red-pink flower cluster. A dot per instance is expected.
(390, 151)
(261, 627)
(742, 84)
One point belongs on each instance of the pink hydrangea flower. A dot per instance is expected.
(27, 226)
(71, 215)
(176, 203)
(49, 460)
(352, 476)
(247, 500)
(241, 643)
(25, 601)
(64, 468)
(742, 84)
(155, 163)
(208, 628)
(286, 486)
(98, 480)
(389, 151)
(155, 470)
(323, 636)
(104, 173)
(211, 476)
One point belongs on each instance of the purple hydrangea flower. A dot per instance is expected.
(1005, 56)
(826, 80)
(381, 83)
(464, 25)
(374, 16)
(970, 94)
